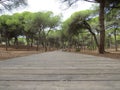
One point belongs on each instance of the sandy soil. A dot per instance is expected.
(12, 52)
(114, 55)
(110, 53)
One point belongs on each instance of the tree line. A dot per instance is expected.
(105, 6)
(44, 29)
(35, 27)
(97, 28)
(82, 30)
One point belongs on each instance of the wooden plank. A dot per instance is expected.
(60, 71)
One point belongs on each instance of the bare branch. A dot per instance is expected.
(2, 1)
(91, 1)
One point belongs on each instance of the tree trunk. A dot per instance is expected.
(32, 40)
(102, 27)
(16, 42)
(1, 38)
(37, 48)
(6, 46)
(109, 41)
(115, 40)
(28, 42)
(38, 39)
(95, 38)
(93, 34)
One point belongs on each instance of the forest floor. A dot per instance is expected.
(110, 54)
(114, 55)
(12, 53)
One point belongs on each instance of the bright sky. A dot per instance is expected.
(56, 7)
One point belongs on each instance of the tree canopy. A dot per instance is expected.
(33, 26)
(103, 6)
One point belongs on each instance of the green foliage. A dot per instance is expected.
(34, 26)
(75, 19)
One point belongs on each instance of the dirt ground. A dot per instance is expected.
(12, 53)
(21, 51)
(114, 55)
(110, 53)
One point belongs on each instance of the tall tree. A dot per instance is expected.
(113, 25)
(4, 27)
(29, 30)
(103, 5)
(44, 21)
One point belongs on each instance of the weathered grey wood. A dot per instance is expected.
(60, 71)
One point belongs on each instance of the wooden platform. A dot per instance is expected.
(60, 71)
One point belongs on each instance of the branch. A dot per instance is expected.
(117, 7)
(2, 1)
(90, 30)
(90, 1)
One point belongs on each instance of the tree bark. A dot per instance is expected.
(16, 42)
(38, 39)
(115, 37)
(6, 46)
(102, 27)
(32, 40)
(95, 38)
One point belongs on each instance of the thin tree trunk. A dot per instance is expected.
(28, 43)
(6, 46)
(38, 39)
(37, 48)
(115, 40)
(95, 38)
(90, 30)
(32, 40)
(108, 41)
(102, 27)
(16, 42)
(1, 38)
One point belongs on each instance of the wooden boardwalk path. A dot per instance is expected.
(60, 71)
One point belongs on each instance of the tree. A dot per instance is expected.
(5, 28)
(77, 25)
(17, 26)
(33, 26)
(81, 23)
(113, 25)
(12, 4)
(29, 30)
(53, 39)
(103, 5)
(43, 22)
(11, 27)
